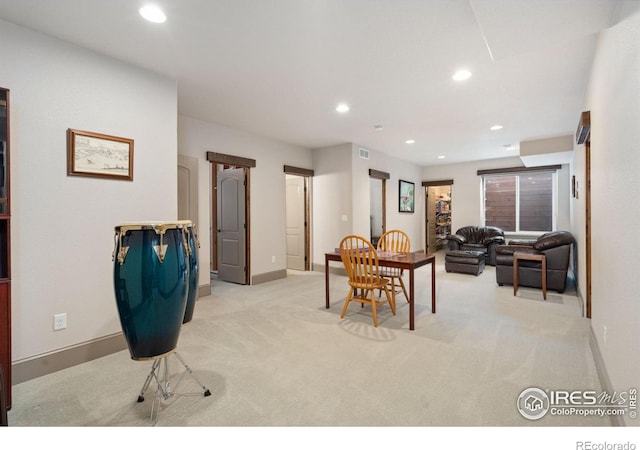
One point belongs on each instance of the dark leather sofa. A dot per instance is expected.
(484, 239)
(556, 246)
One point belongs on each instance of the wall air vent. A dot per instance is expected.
(584, 127)
(364, 153)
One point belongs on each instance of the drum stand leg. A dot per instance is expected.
(163, 390)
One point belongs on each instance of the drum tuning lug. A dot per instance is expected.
(160, 251)
(122, 254)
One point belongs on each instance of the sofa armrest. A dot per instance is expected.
(525, 242)
(493, 240)
(459, 239)
(491, 251)
(553, 239)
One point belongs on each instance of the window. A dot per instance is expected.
(520, 202)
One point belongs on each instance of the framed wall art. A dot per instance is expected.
(407, 196)
(99, 155)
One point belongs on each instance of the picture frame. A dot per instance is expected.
(99, 155)
(573, 186)
(406, 196)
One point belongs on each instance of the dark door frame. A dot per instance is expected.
(583, 136)
(382, 176)
(228, 161)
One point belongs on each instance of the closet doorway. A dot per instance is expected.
(438, 213)
(298, 217)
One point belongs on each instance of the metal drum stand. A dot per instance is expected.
(164, 390)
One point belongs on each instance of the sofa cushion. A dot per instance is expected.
(475, 247)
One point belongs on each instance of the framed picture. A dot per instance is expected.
(573, 186)
(99, 155)
(407, 194)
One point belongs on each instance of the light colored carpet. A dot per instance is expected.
(272, 355)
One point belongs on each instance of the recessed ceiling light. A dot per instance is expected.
(461, 75)
(496, 127)
(509, 147)
(378, 127)
(342, 108)
(410, 141)
(153, 14)
(441, 157)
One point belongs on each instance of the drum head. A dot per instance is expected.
(159, 227)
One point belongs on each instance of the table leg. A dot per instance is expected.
(412, 301)
(433, 286)
(326, 281)
(544, 277)
(515, 275)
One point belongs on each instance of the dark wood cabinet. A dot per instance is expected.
(5, 247)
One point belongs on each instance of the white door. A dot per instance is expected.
(296, 223)
(188, 188)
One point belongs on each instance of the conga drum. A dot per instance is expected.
(192, 251)
(150, 276)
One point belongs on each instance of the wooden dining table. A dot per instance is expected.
(407, 261)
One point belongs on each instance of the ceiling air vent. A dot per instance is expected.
(364, 153)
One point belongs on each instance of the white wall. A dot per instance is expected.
(342, 189)
(332, 199)
(267, 187)
(410, 223)
(614, 101)
(62, 227)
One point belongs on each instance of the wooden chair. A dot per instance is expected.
(360, 260)
(394, 241)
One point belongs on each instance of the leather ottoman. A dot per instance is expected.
(464, 261)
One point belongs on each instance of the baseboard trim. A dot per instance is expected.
(67, 357)
(204, 290)
(605, 381)
(269, 276)
(332, 270)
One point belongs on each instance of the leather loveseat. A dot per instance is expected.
(484, 239)
(556, 246)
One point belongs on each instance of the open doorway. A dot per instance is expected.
(298, 220)
(438, 213)
(377, 204)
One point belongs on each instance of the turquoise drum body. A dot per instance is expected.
(192, 251)
(150, 279)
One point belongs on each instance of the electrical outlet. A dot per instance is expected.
(59, 321)
(604, 335)
(273, 259)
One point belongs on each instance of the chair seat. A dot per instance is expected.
(377, 284)
(390, 272)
